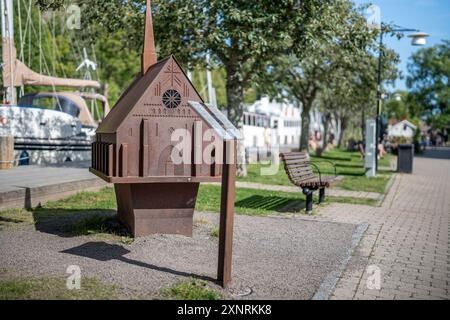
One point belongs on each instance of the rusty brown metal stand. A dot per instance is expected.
(227, 215)
(149, 208)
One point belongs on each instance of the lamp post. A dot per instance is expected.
(418, 38)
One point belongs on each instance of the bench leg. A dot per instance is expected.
(309, 200)
(321, 195)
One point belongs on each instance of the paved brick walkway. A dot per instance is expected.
(407, 241)
(329, 192)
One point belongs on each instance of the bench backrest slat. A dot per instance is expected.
(297, 166)
(296, 161)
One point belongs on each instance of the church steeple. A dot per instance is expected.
(149, 53)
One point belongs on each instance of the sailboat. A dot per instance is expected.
(48, 127)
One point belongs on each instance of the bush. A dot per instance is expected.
(395, 141)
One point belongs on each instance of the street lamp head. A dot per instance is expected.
(419, 38)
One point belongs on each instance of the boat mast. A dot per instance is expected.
(8, 41)
(8, 38)
(211, 89)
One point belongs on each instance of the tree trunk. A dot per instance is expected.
(306, 122)
(235, 96)
(363, 124)
(343, 128)
(326, 120)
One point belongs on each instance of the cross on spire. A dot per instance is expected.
(149, 53)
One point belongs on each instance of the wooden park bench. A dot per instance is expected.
(299, 169)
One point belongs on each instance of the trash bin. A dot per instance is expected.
(405, 158)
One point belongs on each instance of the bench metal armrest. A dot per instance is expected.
(327, 161)
(318, 170)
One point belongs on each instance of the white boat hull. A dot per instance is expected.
(46, 157)
(43, 136)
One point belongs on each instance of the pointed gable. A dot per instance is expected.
(158, 91)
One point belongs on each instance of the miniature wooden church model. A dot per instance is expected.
(139, 140)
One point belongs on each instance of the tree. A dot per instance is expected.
(338, 100)
(348, 95)
(341, 36)
(239, 35)
(428, 80)
(429, 74)
(397, 106)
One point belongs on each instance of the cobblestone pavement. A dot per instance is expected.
(330, 192)
(404, 253)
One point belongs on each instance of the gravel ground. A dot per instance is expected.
(276, 257)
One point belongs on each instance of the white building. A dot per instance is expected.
(268, 123)
(403, 128)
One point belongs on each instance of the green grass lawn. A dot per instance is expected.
(93, 213)
(348, 164)
(54, 288)
(51, 288)
(263, 202)
(190, 290)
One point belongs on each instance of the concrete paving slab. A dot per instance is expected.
(29, 186)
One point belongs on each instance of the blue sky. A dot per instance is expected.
(430, 16)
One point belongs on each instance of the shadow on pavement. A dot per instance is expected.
(436, 153)
(272, 203)
(103, 251)
(70, 164)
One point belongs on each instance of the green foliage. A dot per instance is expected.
(338, 66)
(313, 48)
(50, 288)
(397, 107)
(57, 50)
(429, 74)
(214, 232)
(190, 290)
(218, 80)
(440, 121)
(90, 225)
(106, 227)
(240, 35)
(118, 64)
(49, 4)
(401, 140)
